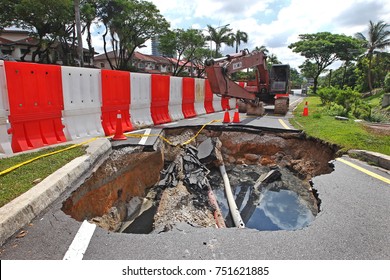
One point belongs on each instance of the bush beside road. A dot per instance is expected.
(348, 134)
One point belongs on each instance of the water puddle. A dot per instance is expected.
(281, 205)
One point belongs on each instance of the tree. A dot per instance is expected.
(378, 39)
(271, 60)
(262, 49)
(88, 15)
(7, 14)
(78, 30)
(220, 35)
(239, 37)
(181, 44)
(129, 23)
(199, 57)
(296, 78)
(323, 49)
(50, 20)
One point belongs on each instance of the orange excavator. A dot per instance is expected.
(269, 87)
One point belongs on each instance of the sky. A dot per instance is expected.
(275, 23)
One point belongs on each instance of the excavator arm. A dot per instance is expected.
(219, 74)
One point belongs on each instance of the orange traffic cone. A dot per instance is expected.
(226, 117)
(118, 130)
(305, 110)
(236, 117)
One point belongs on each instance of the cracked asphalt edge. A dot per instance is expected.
(23, 209)
(378, 159)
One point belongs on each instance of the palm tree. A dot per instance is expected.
(378, 39)
(263, 49)
(239, 37)
(271, 60)
(220, 35)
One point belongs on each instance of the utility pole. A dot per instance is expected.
(78, 30)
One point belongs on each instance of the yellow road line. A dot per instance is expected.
(284, 124)
(372, 174)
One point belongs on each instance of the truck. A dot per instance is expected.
(269, 87)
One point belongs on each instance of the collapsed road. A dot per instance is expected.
(338, 212)
(141, 192)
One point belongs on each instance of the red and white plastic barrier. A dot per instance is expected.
(115, 97)
(200, 96)
(140, 85)
(36, 103)
(159, 106)
(5, 139)
(175, 99)
(82, 92)
(42, 105)
(217, 103)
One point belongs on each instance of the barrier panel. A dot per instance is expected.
(82, 92)
(160, 99)
(217, 103)
(35, 100)
(176, 98)
(242, 84)
(208, 98)
(232, 103)
(188, 105)
(5, 139)
(115, 96)
(199, 96)
(225, 103)
(141, 100)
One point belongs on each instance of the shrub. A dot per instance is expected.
(337, 110)
(348, 98)
(362, 111)
(327, 94)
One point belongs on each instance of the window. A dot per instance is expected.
(6, 52)
(102, 65)
(86, 58)
(24, 51)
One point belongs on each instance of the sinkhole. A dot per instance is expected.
(146, 190)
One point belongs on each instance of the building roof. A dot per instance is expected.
(143, 57)
(103, 56)
(28, 41)
(5, 41)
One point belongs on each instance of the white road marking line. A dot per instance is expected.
(296, 101)
(167, 124)
(80, 242)
(145, 138)
(284, 124)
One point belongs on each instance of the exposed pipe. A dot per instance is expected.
(217, 211)
(238, 222)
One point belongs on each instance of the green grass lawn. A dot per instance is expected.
(347, 134)
(22, 179)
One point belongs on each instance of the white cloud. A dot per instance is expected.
(275, 23)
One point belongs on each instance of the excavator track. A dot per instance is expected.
(281, 106)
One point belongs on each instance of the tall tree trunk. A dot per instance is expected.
(78, 28)
(369, 72)
(105, 47)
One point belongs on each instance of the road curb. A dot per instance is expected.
(378, 159)
(23, 209)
